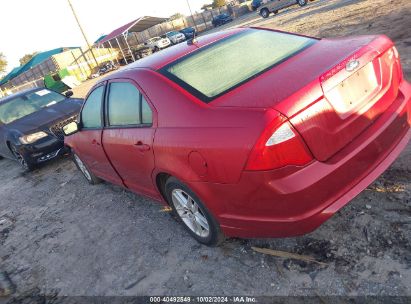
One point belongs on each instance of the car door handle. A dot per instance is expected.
(142, 147)
(95, 142)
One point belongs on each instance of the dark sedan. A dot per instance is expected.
(189, 32)
(30, 125)
(221, 19)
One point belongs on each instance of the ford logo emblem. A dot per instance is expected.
(352, 65)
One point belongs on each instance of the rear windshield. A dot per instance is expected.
(215, 69)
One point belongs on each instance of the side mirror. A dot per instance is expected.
(70, 128)
(68, 94)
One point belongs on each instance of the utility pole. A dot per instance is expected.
(192, 17)
(82, 31)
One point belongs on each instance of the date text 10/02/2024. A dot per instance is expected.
(211, 299)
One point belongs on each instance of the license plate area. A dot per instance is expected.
(356, 91)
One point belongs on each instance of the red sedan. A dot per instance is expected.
(248, 132)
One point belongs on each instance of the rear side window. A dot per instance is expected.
(91, 113)
(146, 114)
(215, 69)
(127, 106)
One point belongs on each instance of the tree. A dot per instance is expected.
(218, 3)
(176, 16)
(26, 58)
(3, 63)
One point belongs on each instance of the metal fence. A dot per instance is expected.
(201, 21)
(80, 63)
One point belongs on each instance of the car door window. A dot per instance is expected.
(123, 104)
(91, 113)
(127, 106)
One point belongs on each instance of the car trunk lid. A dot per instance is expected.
(331, 92)
(354, 94)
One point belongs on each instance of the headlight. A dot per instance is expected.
(31, 138)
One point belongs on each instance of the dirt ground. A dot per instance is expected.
(60, 236)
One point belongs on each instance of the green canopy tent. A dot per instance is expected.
(37, 59)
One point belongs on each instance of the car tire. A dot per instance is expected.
(25, 164)
(88, 175)
(156, 49)
(192, 213)
(265, 13)
(302, 2)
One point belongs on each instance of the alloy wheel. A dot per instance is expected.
(190, 213)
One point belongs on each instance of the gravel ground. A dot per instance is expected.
(60, 236)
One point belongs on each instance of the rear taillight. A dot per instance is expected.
(279, 145)
(398, 62)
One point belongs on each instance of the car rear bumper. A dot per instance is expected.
(292, 201)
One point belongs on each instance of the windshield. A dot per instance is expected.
(215, 69)
(27, 104)
(172, 33)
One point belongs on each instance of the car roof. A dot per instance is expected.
(18, 94)
(160, 59)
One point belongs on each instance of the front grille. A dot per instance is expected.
(57, 129)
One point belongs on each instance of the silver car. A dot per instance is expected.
(175, 37)
(273, 6)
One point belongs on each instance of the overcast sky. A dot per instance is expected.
(40, 25)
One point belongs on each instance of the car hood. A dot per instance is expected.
(46, 117)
